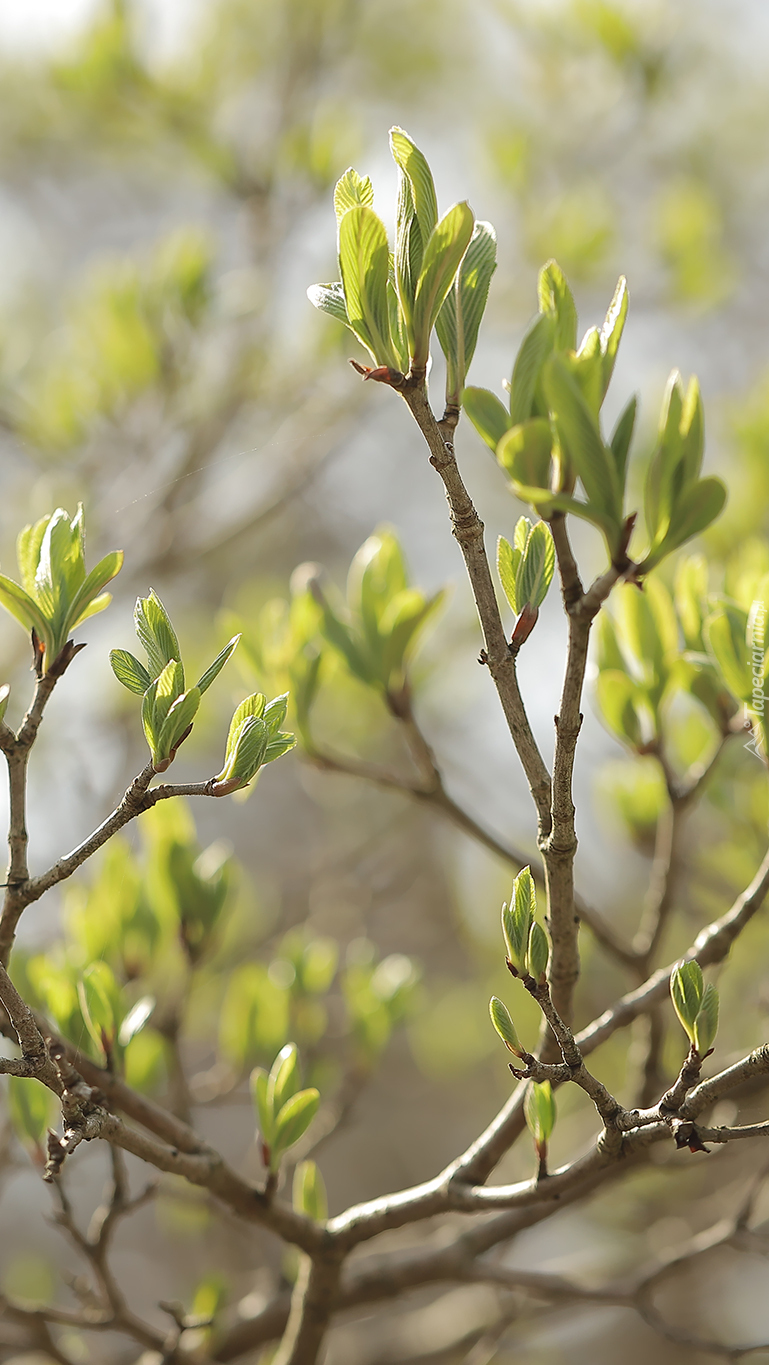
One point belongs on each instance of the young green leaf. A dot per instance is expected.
(686, 990)
(500, 1018)
(292, 1122)
(214, 669)
(284, 1077)
(557, 302)
(56, 595)
(156, 634)
(350, 190)
(538, 953)
(459, 320)
(621, 438)
(706, 1022)
(98, 995)
(611, 332)
(413, 163)
(536, 567)
(176, 725)
(517, 919)
(264, 1111)
(329, 298)
(488, 415)
(524, 452)
(508, 560)
(364, 263)
(534, 351)
(129, 671)
(443, 254)
(539, 1108)
(582, 440)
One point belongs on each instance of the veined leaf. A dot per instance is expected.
(534, 351)
(364, 263)
(168, 686)
(508, 559)
(329, 298)
(582, 439)
(155, 632)
(500, 1018)
(409, 247)
(352, 189)
(557, 301)
(443, 254)
(250, 706)
(459, 319)
(180, 716)
(706, 1023)
(414, 165)
(28, 552)
(129, 671)
(535, 572)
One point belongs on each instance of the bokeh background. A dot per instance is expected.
(166, 173)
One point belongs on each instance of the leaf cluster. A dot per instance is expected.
(56, 594)
(284, 1111)
(437, 277)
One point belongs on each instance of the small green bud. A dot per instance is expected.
(706, 1023)
(686, 989)
(500, 1018)
(539, 1108)
(538, 952)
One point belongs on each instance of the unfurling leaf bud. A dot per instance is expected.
(706, 1023)
(539, 1108)
(686, 989)
(517, 918)
(500, 1018)
(538, 952)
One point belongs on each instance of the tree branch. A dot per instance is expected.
(468, 532)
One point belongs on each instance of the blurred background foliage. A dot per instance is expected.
(162, 209)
